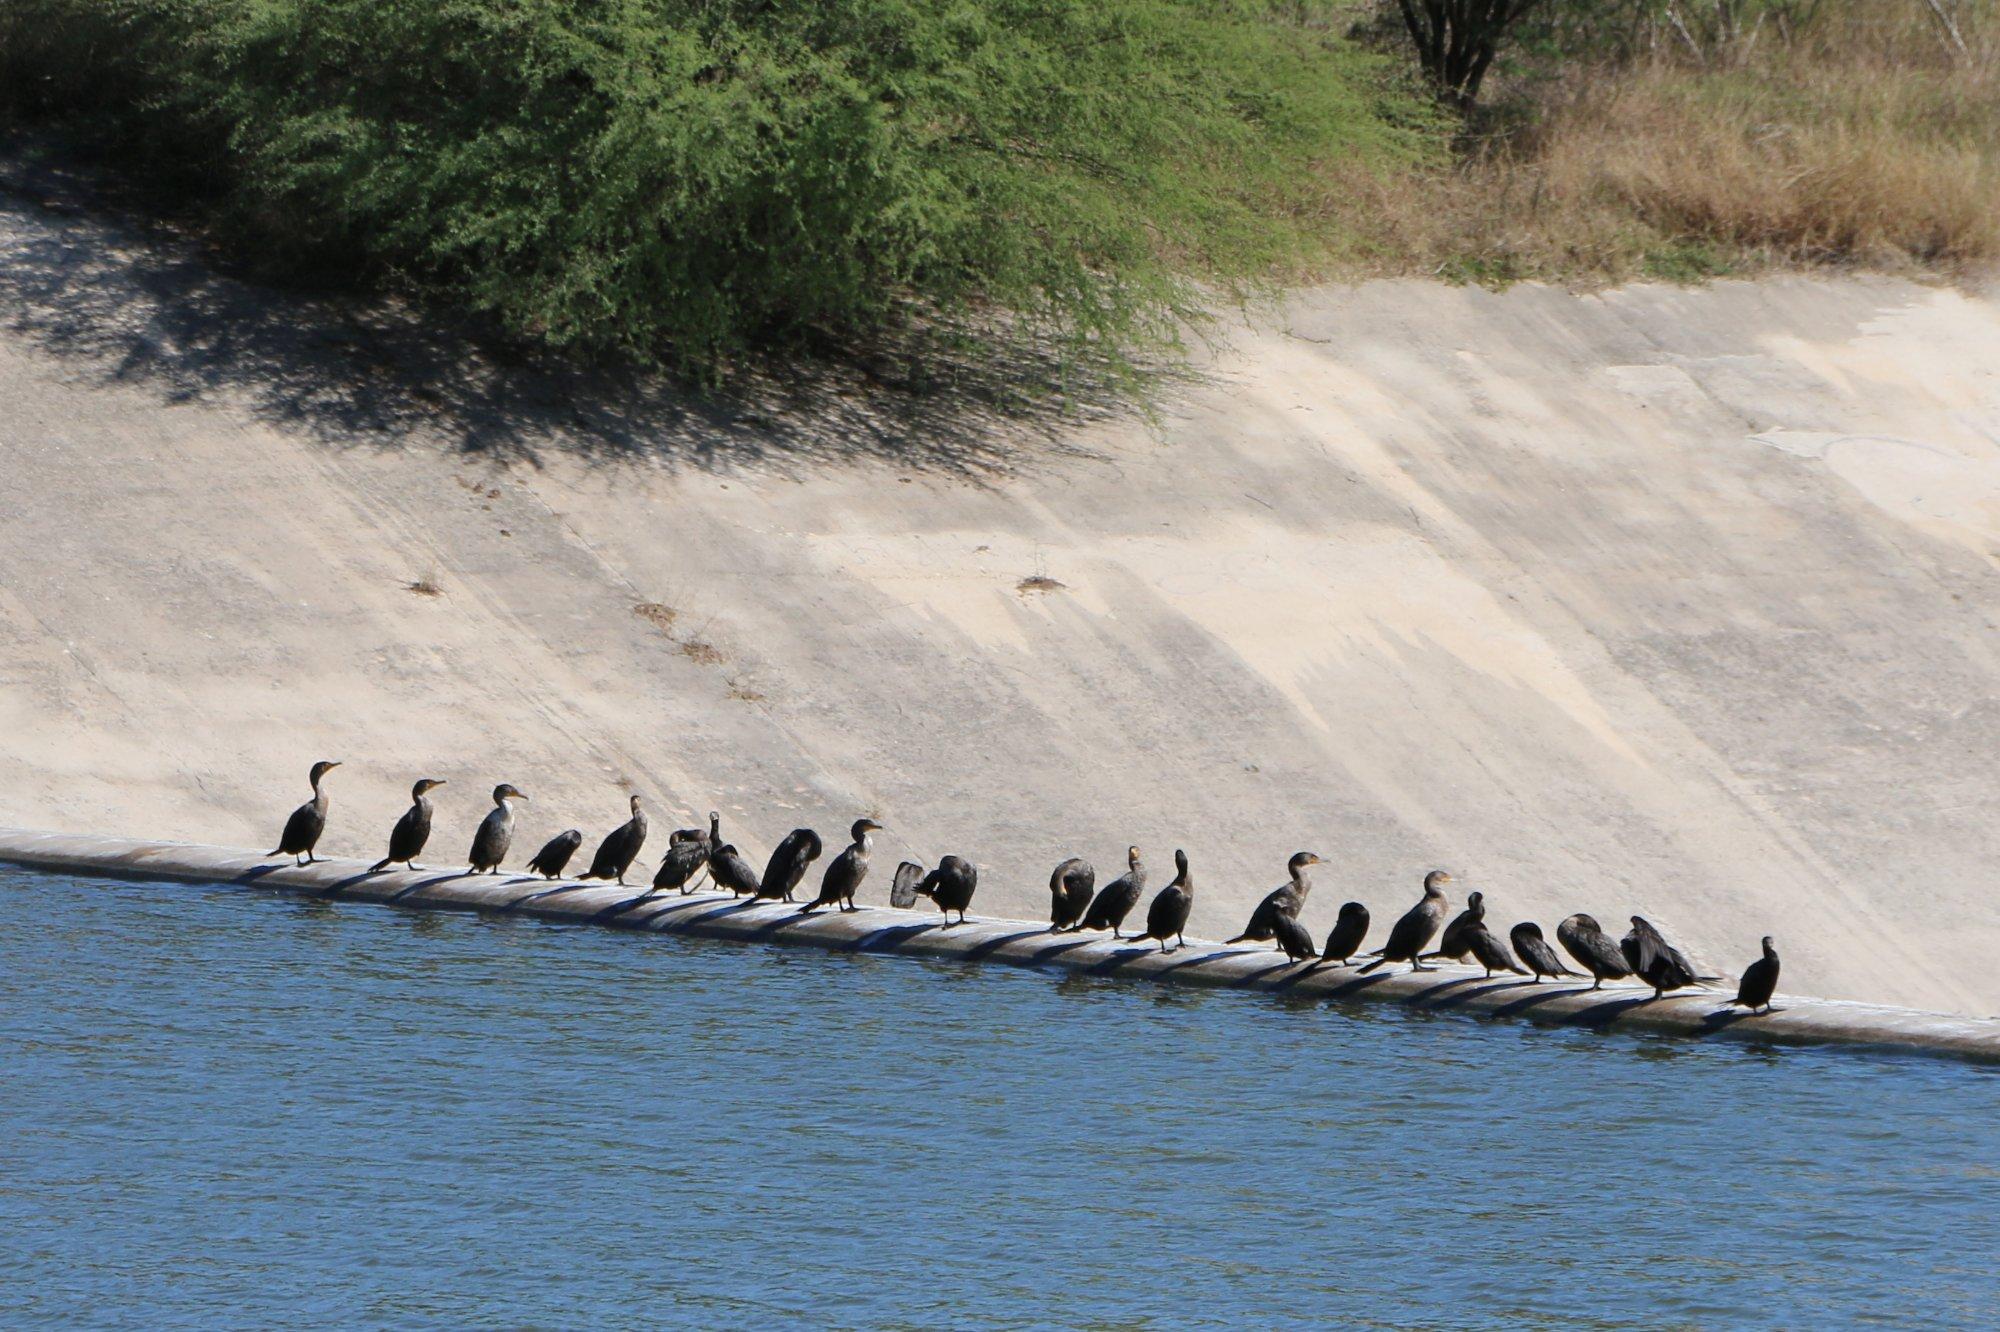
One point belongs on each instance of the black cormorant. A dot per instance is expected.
(1416, 927)
(903, 888)
(1292, 938)
(407, 838)
(1286, 900)
(1654, 960)
(1535, 951)
(688, 850)
(1583, 939)
(789, 862)
(951, 886)
(619, 848)
(1343, 941)
(308, 821)
(496, 832)
(1069, 893)
(1115, 900)
(1167, 915)
(843, 877)
(1760, 980)
(731, 871)
(1456, 941)
(550, 861)
(1491, 952)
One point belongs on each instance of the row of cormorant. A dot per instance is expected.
(1075, 901)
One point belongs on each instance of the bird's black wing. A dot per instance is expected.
(903, 889)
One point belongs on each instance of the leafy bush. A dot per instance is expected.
(686, 180)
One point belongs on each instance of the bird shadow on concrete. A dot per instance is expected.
(1356, 983)
(610, 913)
(1534, 996)
(340, 886)
(433, 881)
(889, 936)
(251, 876)
(1726, 1017)
(673, 907)
(1202, 960)
(1458, 991)
(91, 280)
(987, 947)
(558, 887)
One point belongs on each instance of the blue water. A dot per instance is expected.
(225, 1108)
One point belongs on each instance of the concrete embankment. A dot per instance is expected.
(1678, 602)
(1616, 1007)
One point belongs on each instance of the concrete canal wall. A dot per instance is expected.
(922, 933)
(1676, 601)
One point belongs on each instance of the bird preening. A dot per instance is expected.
(1075, 901)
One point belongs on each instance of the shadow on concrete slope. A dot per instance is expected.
(89, 285)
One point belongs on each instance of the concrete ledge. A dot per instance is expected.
(1021, 943)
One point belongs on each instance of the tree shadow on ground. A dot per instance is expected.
(90, 281)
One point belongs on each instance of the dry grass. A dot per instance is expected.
(1866, 141)
(701, 653)
(659, 616)
(427, 586)
(1038, 583)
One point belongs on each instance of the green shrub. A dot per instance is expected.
(685, 180)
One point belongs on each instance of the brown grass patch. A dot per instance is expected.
(1038, 583)
(660, 617)
(426, 586)
(701, 653)
(1863, 141)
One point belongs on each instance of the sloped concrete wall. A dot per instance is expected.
(1679, 602)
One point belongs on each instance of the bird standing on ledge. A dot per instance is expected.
(1168, 915)
(308, 821)
(843, 877)
(496, 832)
(407, 838)
(619, 848)
(1417, 927)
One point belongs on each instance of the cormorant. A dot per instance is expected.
(688, 850)
(1167, 916)
(1409, 934)
(308, 821)
(496, 832)
(1583, 939)
(555, 854)
(1654, 960)
(619, 848)
(1343, 941)
(1292, 937)
(843, 877)
(1760, 980)
(1069, 893)
(1286, 900)
(1535, 951)
(407, 838)
(903, 888)
(1456, 941)
(789, 862)
(731, 871)
(1115, 900)
(1490, 952)
(951, 885)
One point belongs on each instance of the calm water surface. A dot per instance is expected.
(225, 1108)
